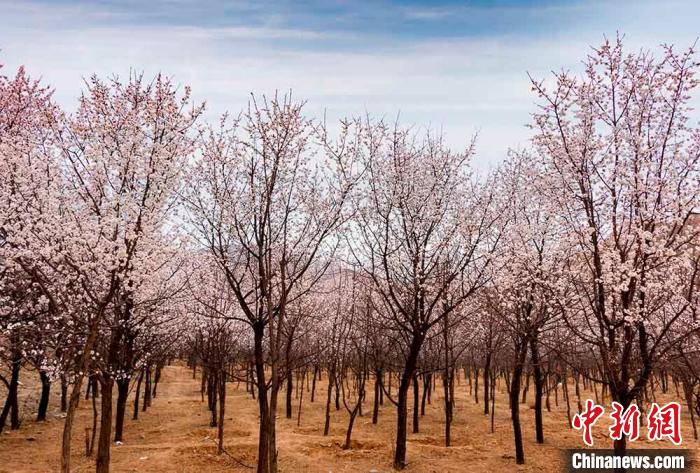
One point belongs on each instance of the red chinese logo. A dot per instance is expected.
(663, 422)
(586, 419)
(625, 421)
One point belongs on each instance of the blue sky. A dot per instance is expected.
(458, 66)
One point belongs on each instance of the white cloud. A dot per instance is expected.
(462, 85)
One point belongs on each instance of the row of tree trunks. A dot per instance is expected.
(11, 407)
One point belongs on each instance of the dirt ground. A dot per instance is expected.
(174, 436)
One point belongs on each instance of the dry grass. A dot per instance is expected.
(174, 436)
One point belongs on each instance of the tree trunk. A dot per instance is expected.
(337, 391)
(45, 392)
(402, 413)
(430, 389)
(272, 419)
(377, 388)
(313, 383)
(104, 442)
(515, 405)
(156, 380)
(68, 424)
(93, 432)
(579, 407)
(89, 387)
(64, 392)
(122, 394)
(301, 398)
(688, 392)
(381, 389)
(75, 394)
(416, 397)
(565, 388)
(402, 408)
(222, 406)
(426, 390)
(493, 399)
(147, 390)
(448, 406)
(348, 434)
(327, 425)
(446, 385)
(487, 370)
(264, 433)
(537, 374)
(620, 446)
(136, 396)
(11, 402)
(214, 394)
(288, 403)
